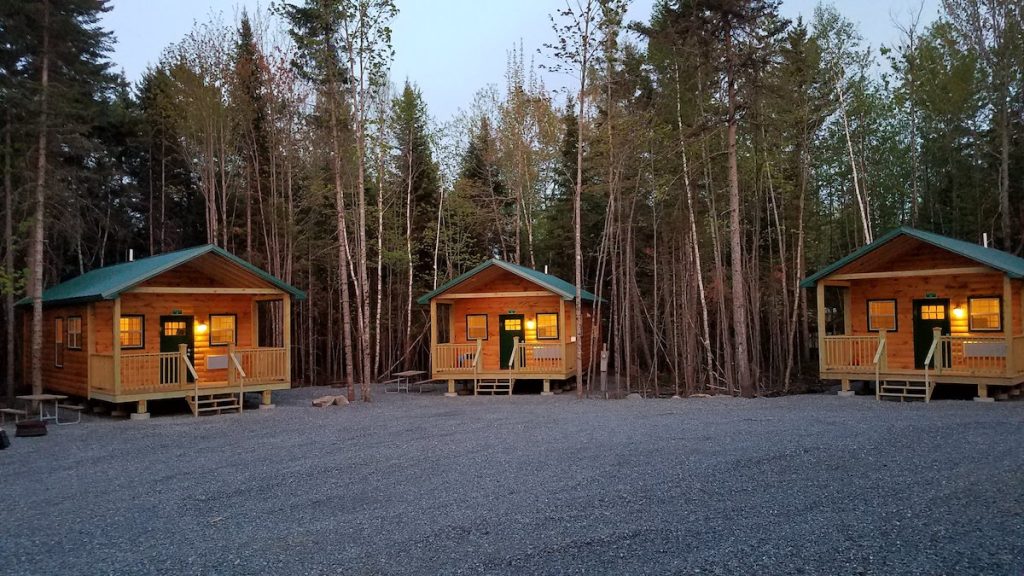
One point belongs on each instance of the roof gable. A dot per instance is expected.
(109, 282)
(1005, 262)
(551, 283)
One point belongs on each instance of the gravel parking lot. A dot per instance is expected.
(415, 484)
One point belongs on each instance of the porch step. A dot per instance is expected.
(494, 386)
(209, 403)
(905, 390)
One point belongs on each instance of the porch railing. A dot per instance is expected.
(973, 355)
(149, 372)
(457, 358)
(153, 372)
(261, 365)
(540, 357)
(850, 353)
(1018, 354)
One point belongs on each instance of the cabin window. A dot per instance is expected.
(476, 326)
(133, 331)
(986, 314)
(547, 326)
(74, 333)
(58, 342)
(882, 315)
(222, 330)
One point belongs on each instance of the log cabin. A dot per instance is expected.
(500, 322)
(915, 309)
(199, 324)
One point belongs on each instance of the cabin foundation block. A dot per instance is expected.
(141, 411)
(983, 394)
(984, 399)
(451, 389)
(547, 389)
(265, 400)
(846, 394)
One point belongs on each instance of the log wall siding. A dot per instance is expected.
(153, 306)
(71, 379)
(905, 290)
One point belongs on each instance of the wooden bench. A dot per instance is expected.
(18, 414)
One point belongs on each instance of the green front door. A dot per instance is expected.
(509, 327)
(175, 331)
(928, 315)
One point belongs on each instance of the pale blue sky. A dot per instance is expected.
(450, 48)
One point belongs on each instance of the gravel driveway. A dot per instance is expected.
(525, 485)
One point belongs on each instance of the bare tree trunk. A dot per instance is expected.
(407, 344)
(739, 293)
(38, 235)
(343, 263)
(9, 258)
(862, 199)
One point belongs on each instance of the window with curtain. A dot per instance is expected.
(882, 315)
(75, 333)
(222, 330)
(133, 331)
(985, 313)
(547, 326)
(476, 327)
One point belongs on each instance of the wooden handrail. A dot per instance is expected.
(880, 356)
(191, 368)
(238, 365)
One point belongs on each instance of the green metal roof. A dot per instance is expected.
(1011, 265)
(110, 281)
(560, 287)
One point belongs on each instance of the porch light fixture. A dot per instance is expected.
(958, 312)
(530, 325)
(202, 327)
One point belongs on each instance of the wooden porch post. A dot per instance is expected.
(90, 344)
(562, 337)
(117, 346)
(433, 333)
(1011, 369)
(182, 368)
(821, 325)
(286, 321)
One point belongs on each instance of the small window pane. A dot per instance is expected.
(513, 325)
(75, 333)
(476, 327)
(882, 315)
(175, 328)
(132, 331)
(986, 314)
(222, 330)
(933, 312)
(547, 326)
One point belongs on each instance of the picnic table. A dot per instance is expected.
(42, 399)
(401, 380)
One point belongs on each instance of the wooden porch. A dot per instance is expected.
(138, 377)
(952, 359)
(528, 361)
